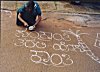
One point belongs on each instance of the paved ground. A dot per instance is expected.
(62, 42)
(53, 46)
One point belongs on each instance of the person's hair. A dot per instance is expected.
(30, 5)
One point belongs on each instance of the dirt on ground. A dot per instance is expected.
(58, 44)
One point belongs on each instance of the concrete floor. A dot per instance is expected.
(53, 45)
(62, 42)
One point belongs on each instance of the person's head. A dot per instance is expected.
(30, 6)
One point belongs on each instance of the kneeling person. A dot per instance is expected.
(26, 15)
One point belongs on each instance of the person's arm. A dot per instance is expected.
(38, 20)
(24, 22)
(38, 10)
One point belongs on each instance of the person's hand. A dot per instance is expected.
(34, 26)
(25, 24)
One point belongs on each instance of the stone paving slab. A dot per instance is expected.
(47, 5)
(52, 6)
(62, 6)
(20, 3)
(10, 5)
(82, 20)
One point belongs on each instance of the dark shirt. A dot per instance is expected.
(30, 18)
